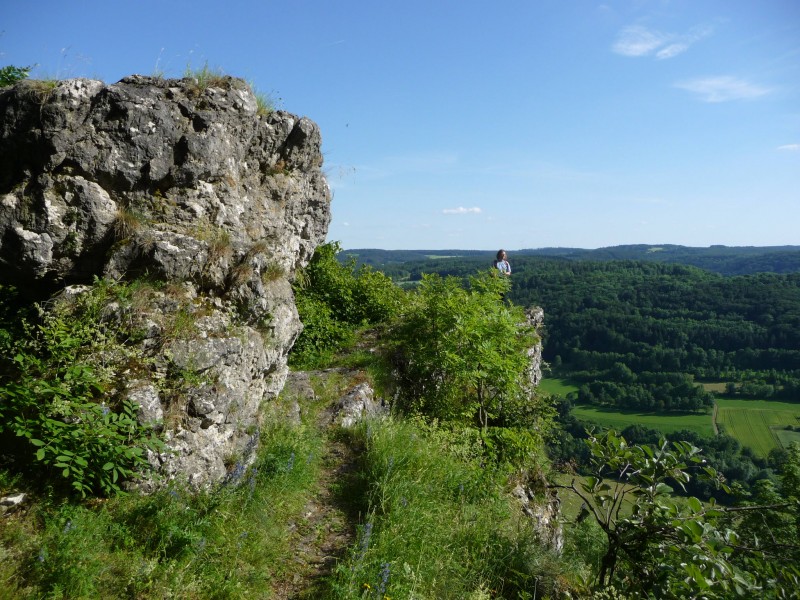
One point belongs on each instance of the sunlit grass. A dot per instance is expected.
(230, 542)
(437, 526)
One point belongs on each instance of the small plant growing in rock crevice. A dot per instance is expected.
(272, 272)
(206, 77)
(127, 221)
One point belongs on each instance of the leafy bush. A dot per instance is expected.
(656, 545)
(59, 395)
(460, 353)
(333, 300)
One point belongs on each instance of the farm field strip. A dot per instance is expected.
(758, 424)
(667, 423)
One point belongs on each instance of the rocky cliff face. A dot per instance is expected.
(184, 186)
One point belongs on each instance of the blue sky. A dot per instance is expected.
(515, 124)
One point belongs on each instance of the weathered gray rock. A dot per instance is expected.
(543, 507)
(10, 503)
(357, 404)
(189, 185)
(533, 373)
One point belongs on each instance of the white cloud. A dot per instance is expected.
(672, 50)
(462, 211)
(722, 89)
(637, 40)
(790, 147)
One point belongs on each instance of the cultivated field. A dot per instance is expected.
(666, 422)
(759, 424)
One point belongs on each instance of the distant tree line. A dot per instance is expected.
(725, 260)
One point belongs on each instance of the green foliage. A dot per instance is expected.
(333, 300)
(772, 536)
(437, 523)
(322, 334)
(9, 75)
(231, 542)
(658, 546)
(460, 354)
(59, 395)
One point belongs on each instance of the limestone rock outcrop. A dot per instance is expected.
(533, 374)
(188, 186)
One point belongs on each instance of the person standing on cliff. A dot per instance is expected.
(501, 264)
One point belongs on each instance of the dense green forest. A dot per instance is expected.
(628, 321)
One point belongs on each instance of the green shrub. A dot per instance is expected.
(334, 300)
(9, 75)
(59, 396)
(460, 353)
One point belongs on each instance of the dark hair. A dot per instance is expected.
(500, 254)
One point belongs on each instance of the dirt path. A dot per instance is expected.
(321, 536)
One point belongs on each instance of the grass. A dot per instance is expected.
(619, 419)
(759, 424)
(557, 386)
(231, 542)
(206, 77)
(664, 422)
(437, 526)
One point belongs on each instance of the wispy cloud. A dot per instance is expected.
(790, 147)
(637, 40)
(723, 88)
(462, 211)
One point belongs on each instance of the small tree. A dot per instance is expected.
(657, 545)
(460, 353)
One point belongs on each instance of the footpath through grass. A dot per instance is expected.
(392, 509)
(438, 523)
(231, 542)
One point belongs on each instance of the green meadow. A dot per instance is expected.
(758, 424)
(557, 387)
(666, 422)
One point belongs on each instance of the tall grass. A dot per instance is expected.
(231, 542)
(437, 526)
